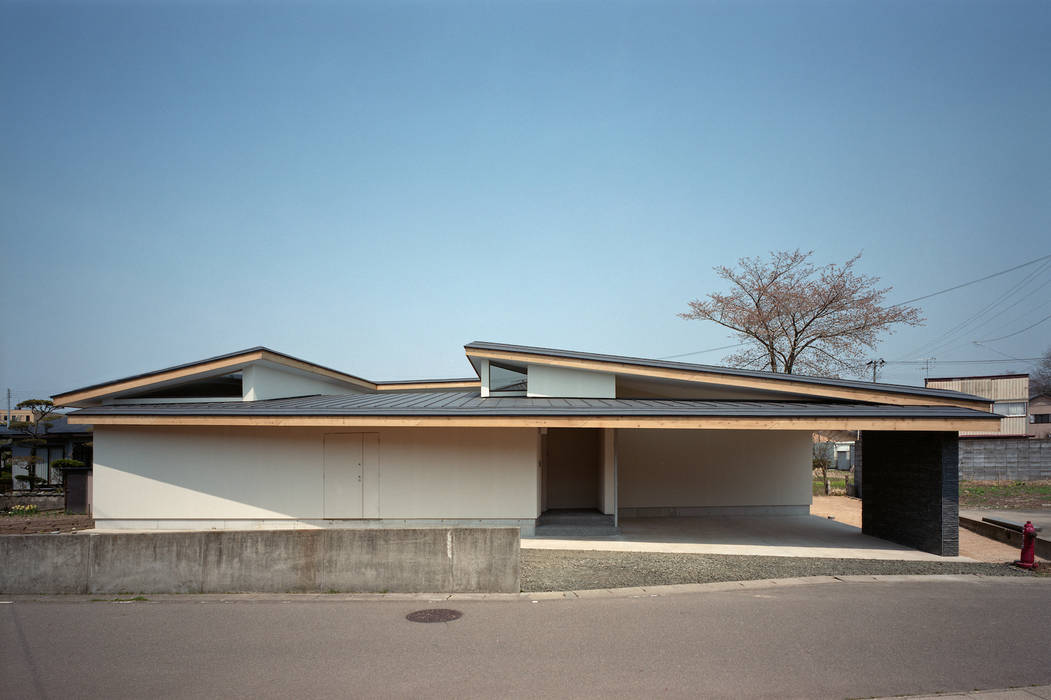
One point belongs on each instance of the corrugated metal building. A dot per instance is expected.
(1009, 393)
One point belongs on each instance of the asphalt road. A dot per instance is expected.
(816, 640)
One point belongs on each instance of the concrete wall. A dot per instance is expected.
(260, 381)
(264, 477)
(1005, 459)
(435, 560)
(693, 472)
(545, 380)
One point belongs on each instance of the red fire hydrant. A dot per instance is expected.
(1028, 559)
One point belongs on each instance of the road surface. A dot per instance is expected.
(832, 640)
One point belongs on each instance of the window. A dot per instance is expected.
(1042, 417)
(1009, 408)
(506, 378)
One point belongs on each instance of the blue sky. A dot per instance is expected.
(369, 186)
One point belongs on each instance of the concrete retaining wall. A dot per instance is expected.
(1005, 459)
(273, 561)
(46, 501)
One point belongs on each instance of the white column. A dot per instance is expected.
(608, 482)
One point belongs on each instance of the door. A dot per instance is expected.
(344, 472)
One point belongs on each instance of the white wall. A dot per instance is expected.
(545, 380)
(260, 381)
(706, 468)
(263, 473)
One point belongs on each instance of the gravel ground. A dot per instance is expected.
(569, 570)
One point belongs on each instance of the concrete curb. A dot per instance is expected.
(535, 597)
(1018, 693)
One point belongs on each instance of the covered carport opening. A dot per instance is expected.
(910, 479)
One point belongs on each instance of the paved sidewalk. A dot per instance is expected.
(1041, 691)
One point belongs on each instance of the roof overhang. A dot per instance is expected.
(658, 422)
(236, 361)
(762, 381)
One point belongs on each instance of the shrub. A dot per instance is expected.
(61, 464)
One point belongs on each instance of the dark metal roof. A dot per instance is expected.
(469, 403)
(731, 371)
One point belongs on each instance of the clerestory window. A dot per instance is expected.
(506, 378)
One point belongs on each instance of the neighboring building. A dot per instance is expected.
(1040, 416)
(259, 439)
(64, 441)
(1008, 392)
(16, 415)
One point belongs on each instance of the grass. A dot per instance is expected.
(837, 481)
(1021, 495)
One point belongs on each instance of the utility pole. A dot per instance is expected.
(875, 365)
(927, 371)
(9, 405)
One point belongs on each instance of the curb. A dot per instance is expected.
(533, 597)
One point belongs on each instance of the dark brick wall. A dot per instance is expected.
(911, 489)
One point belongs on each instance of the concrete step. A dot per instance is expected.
(572, 531)
(574, 518)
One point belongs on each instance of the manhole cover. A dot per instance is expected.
(434, 615)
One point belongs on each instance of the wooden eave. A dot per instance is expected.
(202, 368)
(658, 422)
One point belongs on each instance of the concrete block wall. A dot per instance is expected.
(480, 560)
(1005, 459)
(910, 493)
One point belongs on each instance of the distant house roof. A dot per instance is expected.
(786, 382)
(976, 376)
(59, 426)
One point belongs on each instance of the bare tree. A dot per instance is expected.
(1040, 378)
(798, 318)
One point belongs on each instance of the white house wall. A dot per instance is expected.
(699, 472)
(548, 381)
(243, 478)
(259, 382)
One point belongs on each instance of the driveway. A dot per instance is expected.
(775, 536)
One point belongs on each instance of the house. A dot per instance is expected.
(63, 440)
(260, 439)
(1010, 396)
(17, 415)
(1040, 416)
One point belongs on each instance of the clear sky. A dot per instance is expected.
(370, 186)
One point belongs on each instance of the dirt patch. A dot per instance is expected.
(44, 523)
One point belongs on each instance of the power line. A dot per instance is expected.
(954, 334)
(967, 284)
(1010, 335)
(698, 352)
